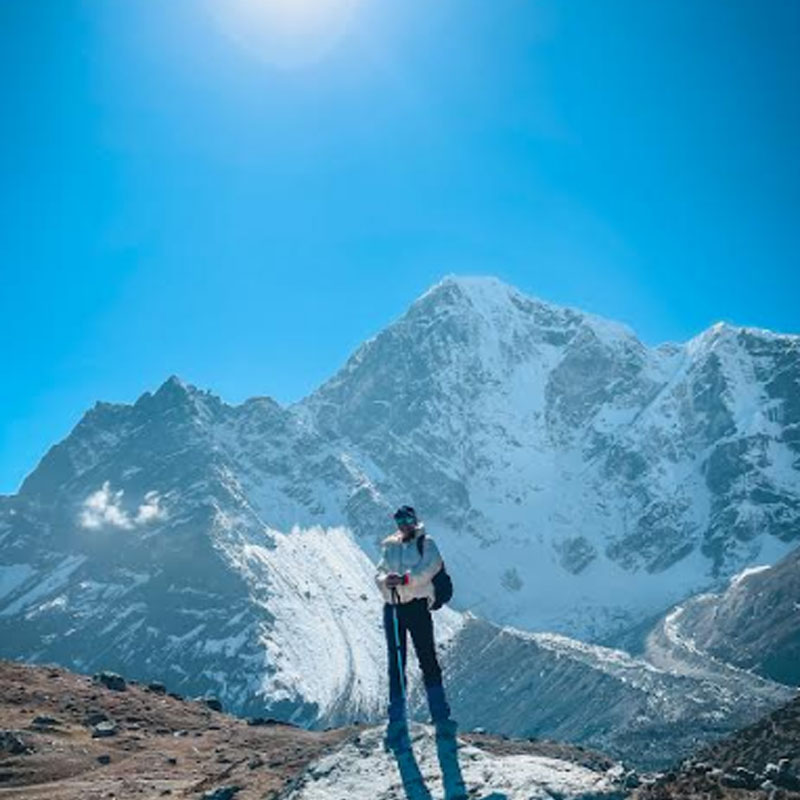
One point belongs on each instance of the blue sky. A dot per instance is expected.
(242, 202)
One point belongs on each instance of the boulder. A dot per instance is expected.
(110, 680)
(94, 717)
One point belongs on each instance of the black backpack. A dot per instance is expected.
(442, 582)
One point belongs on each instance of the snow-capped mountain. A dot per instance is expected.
(575, 480)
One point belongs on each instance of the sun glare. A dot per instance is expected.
(286, 33)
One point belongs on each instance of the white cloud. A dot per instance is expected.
(150, 510)
(104, 508)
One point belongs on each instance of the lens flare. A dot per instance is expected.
(286, 33)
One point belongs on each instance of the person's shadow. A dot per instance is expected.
(454, 788)
(413, 782)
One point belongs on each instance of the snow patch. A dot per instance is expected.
(55, 580)
(746, 573)
(361, 770)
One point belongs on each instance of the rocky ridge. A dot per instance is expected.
(157, 745)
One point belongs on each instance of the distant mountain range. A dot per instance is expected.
(577, 481)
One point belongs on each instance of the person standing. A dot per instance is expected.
(409, 561)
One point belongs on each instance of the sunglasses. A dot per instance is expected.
(405, 521)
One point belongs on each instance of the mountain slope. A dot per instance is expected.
(558, 458)
(760, 760)
(524, 684)
(754, 624)
(158, 745)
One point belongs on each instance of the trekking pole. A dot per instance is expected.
(401, 672)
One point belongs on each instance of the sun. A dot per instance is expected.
(287, 33)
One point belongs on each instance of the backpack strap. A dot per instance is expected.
(420, 543)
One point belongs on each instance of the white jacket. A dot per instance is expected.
(403, 557)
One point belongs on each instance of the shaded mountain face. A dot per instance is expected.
(753, 624)
(138, 545)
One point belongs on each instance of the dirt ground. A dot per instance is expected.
(162, 746)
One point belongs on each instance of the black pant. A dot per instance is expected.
(415, 618)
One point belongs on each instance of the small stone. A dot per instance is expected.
(104, 729)
(43, 721)
(747, 776)
(11, 742)
(104, 759)
(256, 721)
(771, 769)
(172, 760)
(213, 703)
(111, 680)
(156, 687)
(95, 717)
(631, 780)
(222, 793)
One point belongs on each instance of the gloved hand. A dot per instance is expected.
(393, 580)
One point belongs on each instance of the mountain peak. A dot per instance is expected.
(175, 393)
(493, 300)
(480, 291)
(175, 384)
